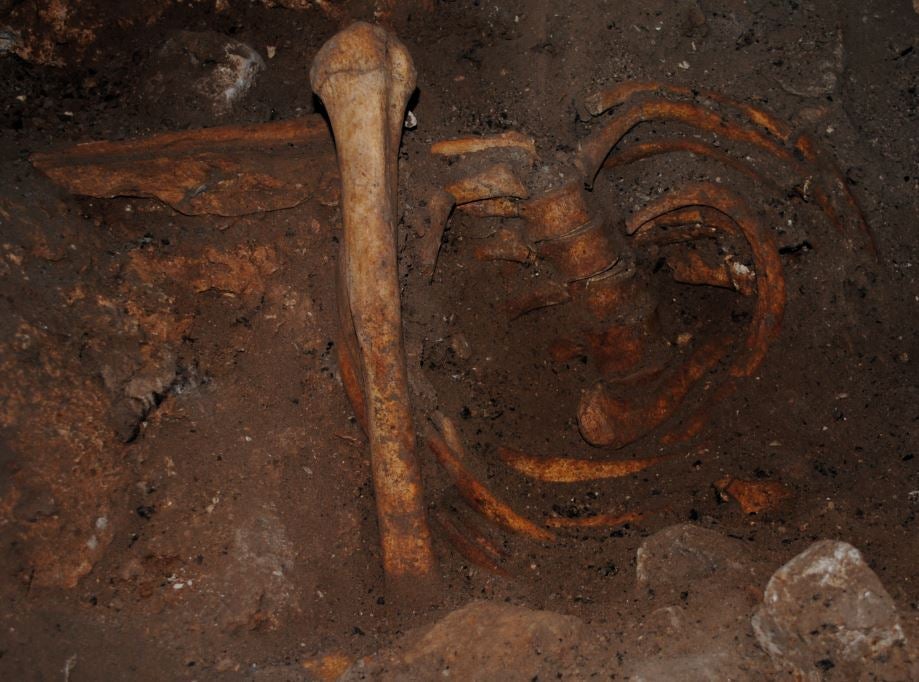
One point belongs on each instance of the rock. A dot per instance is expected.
(685, 558)
(808, 64)
(825, 610)
(485, 641)
(700, 591)
(701, 667)
(201, 70)
(257, 575)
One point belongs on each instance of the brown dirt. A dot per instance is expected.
(185, 493)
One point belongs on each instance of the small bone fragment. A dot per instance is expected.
(690, 267)
(510, 139)
(506, 244)
(498, 180)
(753, 497)
(477, 495)
(620, 349)
(597, 521)
(570, 469)
(228, 171)
(564, 350)
(364, 76)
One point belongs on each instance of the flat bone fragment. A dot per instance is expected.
(829, 183)
(572, 469)
(644, 150)
(227, 171)
(510, 139)
(479, 497)
(754, 497)
(364, 77)
(593, 150)
(498, 180)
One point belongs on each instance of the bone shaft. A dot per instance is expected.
(364, 77)
(373, 289)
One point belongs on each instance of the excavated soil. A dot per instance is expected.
(185, 492)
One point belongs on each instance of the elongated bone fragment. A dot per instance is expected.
(480, 498)
(510, 139)
(571, 469)
(364, 76)
(440, 206)
(474, 551)
(598, 102)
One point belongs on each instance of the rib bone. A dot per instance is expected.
(365, 76)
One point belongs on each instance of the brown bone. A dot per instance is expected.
(228, 170)
(365, 76)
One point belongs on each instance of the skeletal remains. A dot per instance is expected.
(364, 77)
(710, 234)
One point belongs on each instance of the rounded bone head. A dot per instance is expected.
(362, 49)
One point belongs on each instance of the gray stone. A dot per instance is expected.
(826, 611)
(686, 557)
(701, 667)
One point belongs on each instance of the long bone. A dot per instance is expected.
(365, 76)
